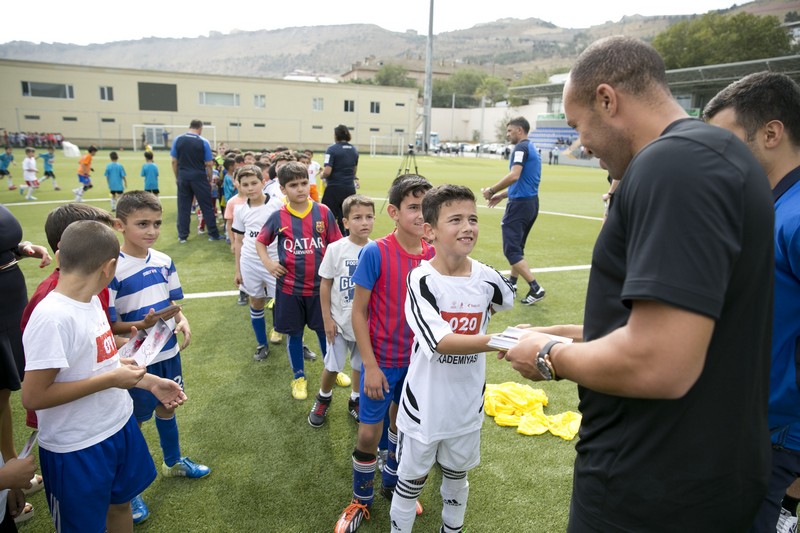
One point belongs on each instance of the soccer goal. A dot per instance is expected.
(386, 145)
(162, 135)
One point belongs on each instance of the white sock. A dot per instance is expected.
(325, 394)
(354, 395)
(404, 504)
(455, 491)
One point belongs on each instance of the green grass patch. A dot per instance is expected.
(271, 470)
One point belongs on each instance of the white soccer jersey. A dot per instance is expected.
(141, 284)
(75, 338)
(29, 169)
(443, 394)
(248, 221)
(313, 171)
(273, 189)
(339, 264)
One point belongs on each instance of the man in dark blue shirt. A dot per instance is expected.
(192, 163)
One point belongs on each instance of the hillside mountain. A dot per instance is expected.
(519, 45)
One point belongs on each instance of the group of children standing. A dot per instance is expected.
(411, 309)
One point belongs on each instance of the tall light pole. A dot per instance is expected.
(428, 90)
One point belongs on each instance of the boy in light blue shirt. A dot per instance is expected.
(115, 174)
(49, 159)
(150, 174)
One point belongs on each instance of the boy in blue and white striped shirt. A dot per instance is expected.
(142, 291)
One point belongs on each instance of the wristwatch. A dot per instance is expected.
(543, 363)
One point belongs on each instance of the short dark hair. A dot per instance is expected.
(623, 62)
(341, 133)
(443, 194)
(283, 156)
(356, 199)
(291, 171)
(228, 163)
(64, 215)
(521, 122)
(195, 124)
(407, 184)
(85, 246)
(249, 170)
(114, 156)
(760, 98)
(148, 155)
(135, 200)
(92, 149)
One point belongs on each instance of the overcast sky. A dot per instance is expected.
(88, 21)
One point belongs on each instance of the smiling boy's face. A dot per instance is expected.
(456, 230)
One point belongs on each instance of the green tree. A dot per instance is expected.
(493, 88)
(463, 84)
(715, 38)
(394, 76)
(791, 16)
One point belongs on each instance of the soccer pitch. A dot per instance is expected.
(273, 472)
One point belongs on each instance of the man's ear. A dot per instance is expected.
(772, 133)
(606, 99)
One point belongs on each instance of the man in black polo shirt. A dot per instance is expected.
(192, 163)
(673, 372)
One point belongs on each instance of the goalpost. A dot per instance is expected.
(153, 134)
(386, 145)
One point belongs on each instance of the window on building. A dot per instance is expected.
(374, 107)
(399, 130)
(158, 97)
(47, 90)
(374, 129)
(315, 127)
(107, 93)
(219, 99)
(32, 117)
(317, 104)
(260, 101)
(235, 124)
(399, 104)
(259, 125)
(110, 120)
(70, 119)
(349, 106)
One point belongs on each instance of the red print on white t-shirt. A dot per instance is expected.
(106, 347)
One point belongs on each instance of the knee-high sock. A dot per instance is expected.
(404, 504)
(455, 491)
(168, 436)
(363, 476)
(389, 475)
(295, 345)
(259, 325)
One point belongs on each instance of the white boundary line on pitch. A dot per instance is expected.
(37, 202)
(219, 294)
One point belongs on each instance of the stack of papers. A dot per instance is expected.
(511, 336)
(144, 347)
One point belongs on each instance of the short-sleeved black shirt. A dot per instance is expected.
(342, 157)
(690, 226)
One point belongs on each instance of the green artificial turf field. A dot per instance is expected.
(271, 470)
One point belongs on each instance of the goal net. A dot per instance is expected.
(387, 145)
(162, 135)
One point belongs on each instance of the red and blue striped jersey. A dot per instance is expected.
(302, 240)
(382, 268)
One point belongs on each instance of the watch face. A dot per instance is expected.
(543, 368)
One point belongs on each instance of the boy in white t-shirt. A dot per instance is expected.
(91, 450)
(29, 172)
(251, 276)
(449, 303)
(336, 299)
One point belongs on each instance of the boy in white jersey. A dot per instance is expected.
(92, 453)
(336, 299)
(256, 281)
(29, 172)
(449, 303)
(142, 291)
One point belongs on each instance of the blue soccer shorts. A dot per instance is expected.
(374, 411)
